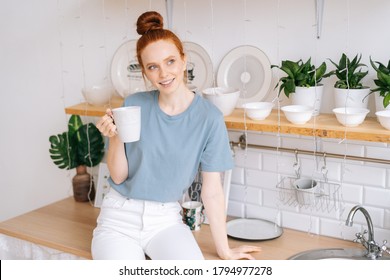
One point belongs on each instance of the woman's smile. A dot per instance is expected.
(167, 83)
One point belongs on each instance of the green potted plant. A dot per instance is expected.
(302, 83)
(349, 90)
(382, 82)
(81, 146)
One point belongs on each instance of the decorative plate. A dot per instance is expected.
(199, 66)
(248, 69)
(126, 75)
(253, 229)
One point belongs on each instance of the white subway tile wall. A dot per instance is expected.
(261, 184)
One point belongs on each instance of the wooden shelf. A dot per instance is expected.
(324, 125)
(85, 109)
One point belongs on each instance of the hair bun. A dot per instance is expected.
(149, 21)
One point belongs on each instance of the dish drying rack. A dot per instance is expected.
(325, 196)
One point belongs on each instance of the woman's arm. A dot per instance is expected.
(116, 156)
(117, 161)
(214, 203)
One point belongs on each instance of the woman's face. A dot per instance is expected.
(163, 66)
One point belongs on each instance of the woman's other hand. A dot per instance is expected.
(241, 252)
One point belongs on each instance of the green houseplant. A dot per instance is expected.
(299, 74)
(382, 82)
(349, 89)
(302, 83)
(81, 146)
(348, 73)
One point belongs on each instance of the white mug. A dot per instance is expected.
(128, 123)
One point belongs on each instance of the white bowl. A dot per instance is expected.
(384, 118)
(258, 110)
(298, 114)
(224, 98)
(98, 95)
(349, 116)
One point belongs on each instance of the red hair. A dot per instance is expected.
(150, 26)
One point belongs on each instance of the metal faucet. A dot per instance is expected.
(373, 249)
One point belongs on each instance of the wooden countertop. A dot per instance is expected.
(323, 125)
(67, 226)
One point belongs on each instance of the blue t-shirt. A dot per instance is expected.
(165, 161)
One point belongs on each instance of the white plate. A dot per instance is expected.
(248, 69)
(253, 229)
(126, 75)
(199, 66)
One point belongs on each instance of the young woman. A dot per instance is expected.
(180, 132)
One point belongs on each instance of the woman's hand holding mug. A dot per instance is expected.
(106, 124)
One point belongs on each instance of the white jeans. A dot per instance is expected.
(128, 229)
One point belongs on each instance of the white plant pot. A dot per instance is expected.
(355, 98)
(379, 103)
(308, 96)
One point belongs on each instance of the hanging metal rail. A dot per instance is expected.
(243, 144)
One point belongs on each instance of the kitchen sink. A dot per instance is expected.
(371, 250)
(335, 253)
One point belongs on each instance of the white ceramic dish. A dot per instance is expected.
(258, 110)
(224, 98)
(253, 229)
(384, 118)
(126, 75)
(248, 69)
(99, 94)
(199, 66)
(350, 117)
(298, 114)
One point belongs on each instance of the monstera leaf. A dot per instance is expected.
(82, 144)
(60, 152)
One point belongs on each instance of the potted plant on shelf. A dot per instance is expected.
(348, 89)
(383, 85)
(302, 82)
(81, 146)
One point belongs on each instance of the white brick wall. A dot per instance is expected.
(256, 190)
